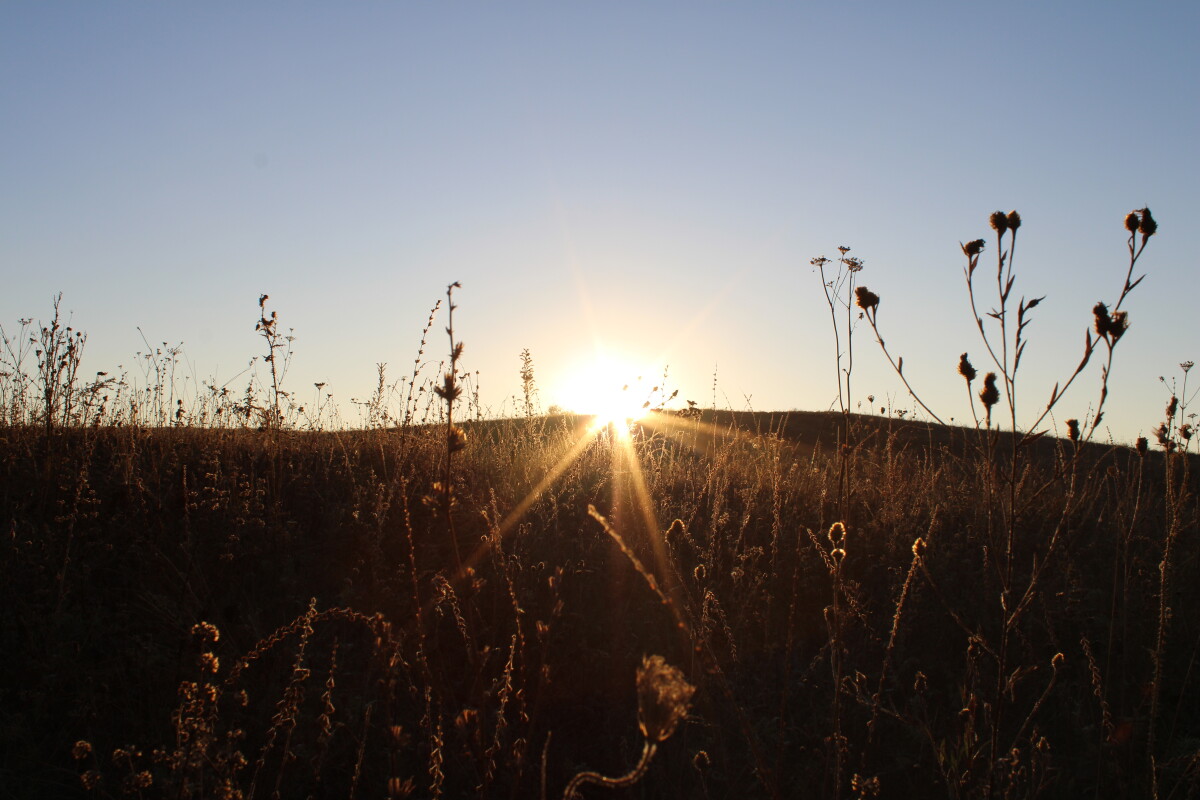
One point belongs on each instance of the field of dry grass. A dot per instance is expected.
(238, 612)
(234, 597)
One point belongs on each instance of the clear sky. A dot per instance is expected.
(650, 177)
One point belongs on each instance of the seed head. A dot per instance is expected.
(1014, 220)
(1160, 433)
(663, 698)
(81, 750)
(206, 633)
(989, 395)
(865, 298)
(1142, 445)
(1172, 407)
(456, 439)
(974, 247)
(1118, 324)
(1132, 222)
(965, 369)
(999, 222)
(1103, 320)
(1073, 429)
(1148, 227)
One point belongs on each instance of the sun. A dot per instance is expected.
(607, 388)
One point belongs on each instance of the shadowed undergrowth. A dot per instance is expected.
(518, 671)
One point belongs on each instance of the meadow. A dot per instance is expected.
(239, 595)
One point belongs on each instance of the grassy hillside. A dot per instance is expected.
(237, 596)
(235, 613)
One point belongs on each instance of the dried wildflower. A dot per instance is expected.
(973, 248)
(81, 750)
(965, 369)
(1142, 446)
(209, 662)
(819, 261)
(456, 439)
(1014, 221)
(1186, 365)
(999, 222)
(1161, 434)
(90, 779)
(1172, 407)
(449, 390)
(865, 299)
(989, 395)
(1132, 221)
(206, 633)
(843, 249)
(1148, 226)
(1118, 324)
(1073, 429)
(1185, 432)
(918, 548)
(853, 264)
(663, 698)
(1103, 320)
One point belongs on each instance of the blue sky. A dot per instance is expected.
(654, 177)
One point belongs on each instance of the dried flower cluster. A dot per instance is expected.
(663, 698)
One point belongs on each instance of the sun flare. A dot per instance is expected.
(608, 389)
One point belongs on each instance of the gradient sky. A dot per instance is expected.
(650, 177)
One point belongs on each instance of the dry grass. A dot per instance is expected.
(222, 611)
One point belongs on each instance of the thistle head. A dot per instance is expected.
(1118, 324)
(989, 395)
(1014, 221)
(1103, 320)
(965, 369)
(663, 698)
(1073, 429)
(1132, 221)
(865, 299)
(999, 222)
(1148, 226)
(973, 247)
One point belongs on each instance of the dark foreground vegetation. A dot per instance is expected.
(236, 596)
(224, 613)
